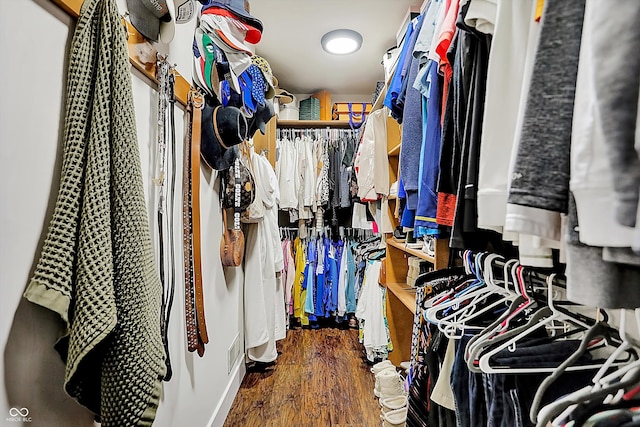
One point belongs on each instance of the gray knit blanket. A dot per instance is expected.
(97, 267)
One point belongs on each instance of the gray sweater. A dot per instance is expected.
(541, 173)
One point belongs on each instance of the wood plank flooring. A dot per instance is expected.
(320, 379)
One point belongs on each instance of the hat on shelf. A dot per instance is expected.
(249, 105)
(217, 64)
(258, 84)
(198, 72)
(284, 97)
(154, 19)
(185, 10)
(252, 36)
(239, 7)
(269, 78)
(260, 118)
(230, 32)
(223, 128)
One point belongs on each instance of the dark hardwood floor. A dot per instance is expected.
(320, 379)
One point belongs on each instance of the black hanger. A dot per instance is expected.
(424, 278)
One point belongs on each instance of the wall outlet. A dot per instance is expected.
(233, 353)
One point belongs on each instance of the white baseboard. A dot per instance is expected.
(224, 406)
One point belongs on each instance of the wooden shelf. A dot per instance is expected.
(405, 294)
(182, 86)
(394, 151)
(391, 241)
(312, 124)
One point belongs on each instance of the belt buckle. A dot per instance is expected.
(196, 98)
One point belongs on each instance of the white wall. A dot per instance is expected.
(31, 113)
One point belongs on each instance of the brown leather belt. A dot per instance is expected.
(198, 104)
(194, 301)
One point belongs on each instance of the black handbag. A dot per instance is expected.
(238, 183)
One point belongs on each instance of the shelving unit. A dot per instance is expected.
(401, 299)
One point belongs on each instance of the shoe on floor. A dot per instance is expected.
(353, 322)
(393, 403)
(391, 384)
(381, 365)
(376, 387)
(395, 418)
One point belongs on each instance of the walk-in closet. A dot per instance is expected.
(279, 213)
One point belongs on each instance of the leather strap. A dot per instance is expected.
(170, 288)
(189, 301)
(236, 192)
(198, 104)
(215, 128)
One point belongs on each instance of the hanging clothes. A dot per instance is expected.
(289, 274)
(299, 287)
(506, 350)
(370, 313)
(263, 293)
(314, 169)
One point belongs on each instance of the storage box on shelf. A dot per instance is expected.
(343, 111)
(325, 104)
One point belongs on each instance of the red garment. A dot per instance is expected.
(253, 34)
(446, 209)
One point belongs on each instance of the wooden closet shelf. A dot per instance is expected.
(394, 151)
(182, 86)
(297, 124)
(405, 294)
(391, 241)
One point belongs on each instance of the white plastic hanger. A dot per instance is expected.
(456, 323)
(628, 343)
(556, 315)
(473, 289)
(496, 327)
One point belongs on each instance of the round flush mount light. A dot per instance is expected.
(341, 42)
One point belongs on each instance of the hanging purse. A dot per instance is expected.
(239, 188)
(232, 244)
(255, 211)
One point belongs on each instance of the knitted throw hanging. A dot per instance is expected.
(97, 268)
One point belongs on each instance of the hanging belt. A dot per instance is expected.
(198, 104)
(193, 298)
(166, 128)
(189, 302)
(170, 287)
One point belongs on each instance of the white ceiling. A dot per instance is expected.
(291, 42)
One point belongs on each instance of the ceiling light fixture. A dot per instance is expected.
(341, 42)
